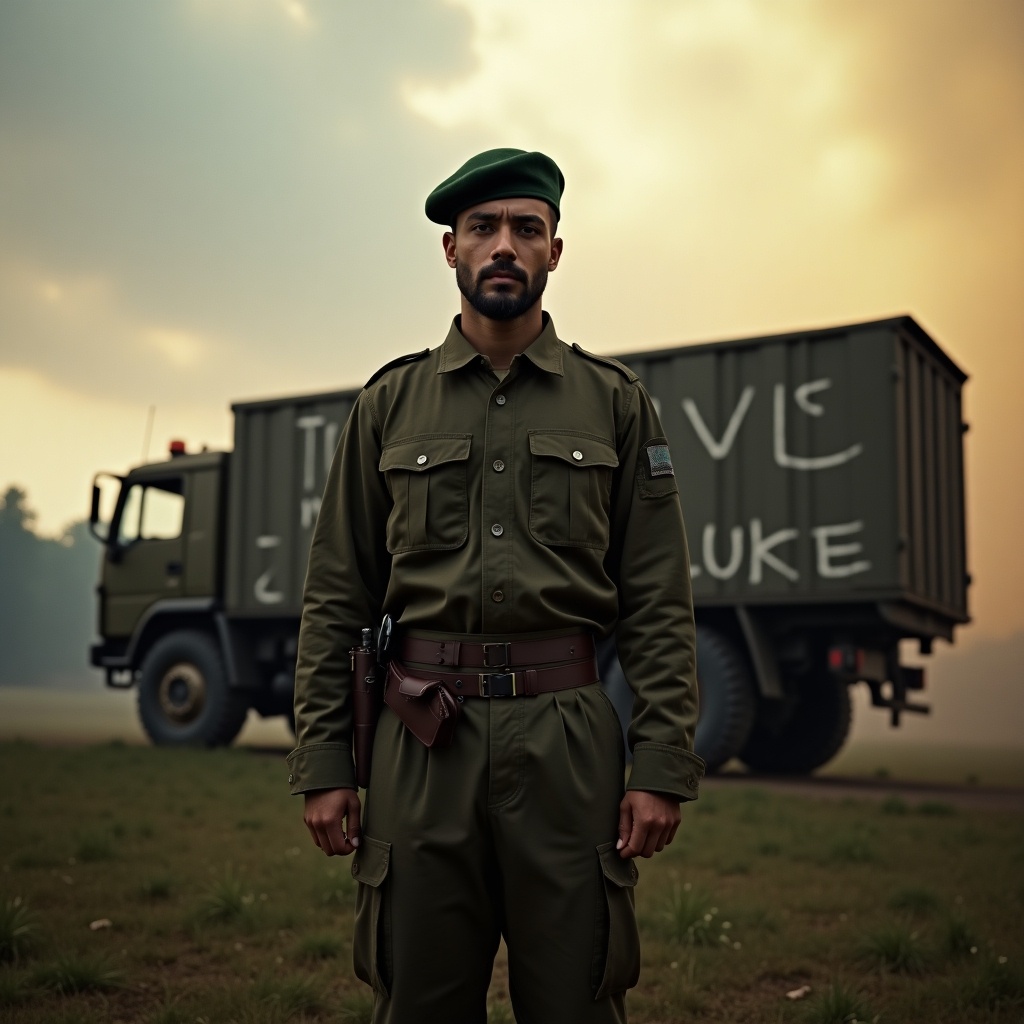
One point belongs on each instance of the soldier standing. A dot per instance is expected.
(505, 498)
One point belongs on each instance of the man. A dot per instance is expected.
(505, 498)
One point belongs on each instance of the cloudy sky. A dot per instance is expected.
(208, 200)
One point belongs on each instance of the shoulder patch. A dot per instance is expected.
(400, 361)
(607, 361)
(655, 473)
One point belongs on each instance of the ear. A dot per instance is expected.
(448, 241)
(556, 254)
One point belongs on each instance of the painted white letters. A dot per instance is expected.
(309, 424)
(761, 552)
(719, 449)
(262, 588)
(735, 552)
(803, 462)
(309, 510)
(827, 551)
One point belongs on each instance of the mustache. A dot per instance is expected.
(505, 267)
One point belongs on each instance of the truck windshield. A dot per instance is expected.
(152, 511)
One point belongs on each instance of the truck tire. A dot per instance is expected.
(727, 699)
(810, 737)
(184, 697)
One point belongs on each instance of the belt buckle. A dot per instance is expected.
(498, 684)
(496, 655)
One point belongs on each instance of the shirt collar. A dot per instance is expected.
(545, 352)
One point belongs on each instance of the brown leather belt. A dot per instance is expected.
(527, 682)
(510, 654)
(517, 657)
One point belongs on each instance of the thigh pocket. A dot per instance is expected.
(426, 476)
(616, 964)
(570, 490)
(371, 943)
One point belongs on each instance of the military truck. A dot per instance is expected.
(821, 476)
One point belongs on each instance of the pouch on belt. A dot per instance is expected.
(425, 706)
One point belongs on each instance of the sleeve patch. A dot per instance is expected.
(655, 474)
(660, 461)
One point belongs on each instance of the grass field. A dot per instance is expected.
(180, 887)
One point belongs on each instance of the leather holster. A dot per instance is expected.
(425, 706)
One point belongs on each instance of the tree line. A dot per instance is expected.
(47, 597)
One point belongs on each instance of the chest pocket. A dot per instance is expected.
(570, 491)
(426, 476)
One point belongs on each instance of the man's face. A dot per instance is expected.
(502, 252)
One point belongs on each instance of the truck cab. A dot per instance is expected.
(160, 595)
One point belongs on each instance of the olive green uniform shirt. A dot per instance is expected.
(464, 504)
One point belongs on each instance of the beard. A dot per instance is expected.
(500, 305)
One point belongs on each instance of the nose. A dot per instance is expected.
(503, 247)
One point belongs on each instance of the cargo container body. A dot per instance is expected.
(821, 477)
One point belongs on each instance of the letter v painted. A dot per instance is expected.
(719, 449)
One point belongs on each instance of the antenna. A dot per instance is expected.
(148, 434)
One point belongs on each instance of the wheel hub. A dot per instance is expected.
(182, 693)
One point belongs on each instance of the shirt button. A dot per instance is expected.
(498, 465)
(291, 778)
(577, 455)
(421, 460)
(497, 529)
(498, 596)
(500, 399)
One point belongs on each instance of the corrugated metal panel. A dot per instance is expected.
(283, 449)
(930, 475)
(818, 467)
(815, 467)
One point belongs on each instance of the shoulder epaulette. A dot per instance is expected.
(607, 361)
(400, 361)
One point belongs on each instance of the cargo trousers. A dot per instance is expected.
(510, 832)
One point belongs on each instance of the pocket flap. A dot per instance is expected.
(416, 688)
(576, 449)
(371, 860)
(618, 870)
(425, 451)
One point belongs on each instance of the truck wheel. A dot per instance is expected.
(184, 698)
(810, 737)
(727, 699)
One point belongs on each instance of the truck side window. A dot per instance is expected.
(153, 511)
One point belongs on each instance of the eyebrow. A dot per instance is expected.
(519, 218)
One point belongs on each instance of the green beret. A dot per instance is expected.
(496, 174)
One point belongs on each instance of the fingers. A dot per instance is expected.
(652, 821)
(332, 817)
(672, 833)
(625, 826)
(353, 822)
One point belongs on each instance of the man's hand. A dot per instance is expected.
(332, 817)
(647, 823)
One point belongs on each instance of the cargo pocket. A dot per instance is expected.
(570, 490)
(616, 964)
(371, 941)
(426, 476)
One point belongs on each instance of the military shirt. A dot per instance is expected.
(465, 503)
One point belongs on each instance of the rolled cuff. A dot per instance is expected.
(321, 766)
(660, 768)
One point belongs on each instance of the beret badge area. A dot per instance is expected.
(496, 174)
